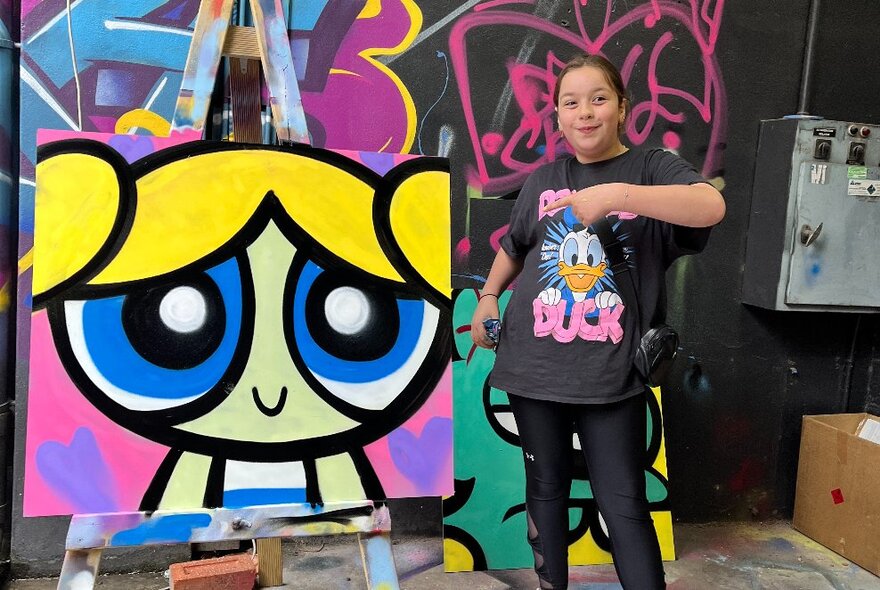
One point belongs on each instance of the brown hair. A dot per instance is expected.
(612, 75)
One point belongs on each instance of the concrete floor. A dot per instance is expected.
(733, 556)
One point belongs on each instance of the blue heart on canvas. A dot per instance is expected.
(419, 458)
(78, 473)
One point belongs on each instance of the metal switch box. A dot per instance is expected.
(813, 242)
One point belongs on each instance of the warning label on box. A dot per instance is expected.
(863, 188)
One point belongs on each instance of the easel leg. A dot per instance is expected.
(79, 570)
(378, 561)
(270, 560)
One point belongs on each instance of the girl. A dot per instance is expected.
(566, 353)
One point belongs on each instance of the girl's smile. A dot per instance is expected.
(590, 114)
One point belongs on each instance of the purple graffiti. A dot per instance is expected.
(314, 50)
(78, 473)
(6, 18)
(132, 147)
(352, 123)
(417, 457)
(503, 158)
(335, 59)
(173, 12)
(378, 162)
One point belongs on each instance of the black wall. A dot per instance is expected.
(733, 409)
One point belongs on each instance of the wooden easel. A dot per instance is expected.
(88, 535)
(267, 40)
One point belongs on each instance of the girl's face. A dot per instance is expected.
(590, 114)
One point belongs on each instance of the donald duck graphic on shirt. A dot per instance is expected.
(579, 298)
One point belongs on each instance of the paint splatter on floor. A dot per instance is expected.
(729, 556)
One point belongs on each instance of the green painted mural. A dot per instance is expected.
(484, 521)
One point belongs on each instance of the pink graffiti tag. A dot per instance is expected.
(500, 155)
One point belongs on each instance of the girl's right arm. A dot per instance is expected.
(505, 268)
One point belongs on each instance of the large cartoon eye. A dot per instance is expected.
(163, 346)
(363, 343)
(570, 250)
(594, 251)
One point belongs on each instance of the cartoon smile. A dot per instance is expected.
(273, 411)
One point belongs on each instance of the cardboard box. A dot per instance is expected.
(838, 488)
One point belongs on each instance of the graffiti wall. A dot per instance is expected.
(465, 80)
(701, 78)
(470, 80)
(219, 325)
(504, 58)
(665, 51)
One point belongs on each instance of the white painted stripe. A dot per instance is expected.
(156, 93)
(52, 22)
(124, 25)
(241, 475)
(79, 112)
(28, 78)
(150, 101)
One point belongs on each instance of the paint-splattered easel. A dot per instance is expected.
(88, 535)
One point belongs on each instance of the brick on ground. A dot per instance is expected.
(230, 572)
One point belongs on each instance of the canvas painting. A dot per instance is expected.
(230, 325)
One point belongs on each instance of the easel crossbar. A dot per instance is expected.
(99, 531)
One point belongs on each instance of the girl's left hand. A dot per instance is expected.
(592, 203)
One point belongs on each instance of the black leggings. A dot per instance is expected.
(613, 440)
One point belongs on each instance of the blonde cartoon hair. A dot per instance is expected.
(103, 222)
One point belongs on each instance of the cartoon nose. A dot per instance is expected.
(274, 410)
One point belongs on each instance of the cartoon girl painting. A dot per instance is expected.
(263, 312)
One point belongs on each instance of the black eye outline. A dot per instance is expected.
(373, 342)
(374, 423)
(177, 350)
(157, 425)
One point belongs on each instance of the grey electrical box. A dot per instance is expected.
(814, 229)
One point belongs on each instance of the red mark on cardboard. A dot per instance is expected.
(837, 496)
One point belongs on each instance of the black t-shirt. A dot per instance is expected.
(567, 335)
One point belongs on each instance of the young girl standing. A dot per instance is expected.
(565, 356)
